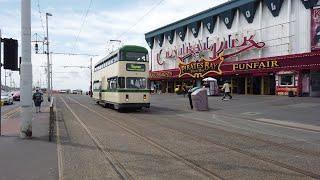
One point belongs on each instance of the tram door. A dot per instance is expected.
(100, 92)
(102, 84)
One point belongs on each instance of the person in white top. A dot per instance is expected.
(226, 90)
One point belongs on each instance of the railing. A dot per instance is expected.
(51, 119)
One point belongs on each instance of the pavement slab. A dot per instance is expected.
(27, 159)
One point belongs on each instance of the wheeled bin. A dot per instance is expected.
(200, 99)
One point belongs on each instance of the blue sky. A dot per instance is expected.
(106, 20)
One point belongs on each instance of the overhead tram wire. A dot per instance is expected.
(82, 24)
(40, 13)
(74, 54)
(140, 19)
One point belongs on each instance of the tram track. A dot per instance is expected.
(249, 154)
(280, 145)
(232, 148)
(156, 145)
(115, 164)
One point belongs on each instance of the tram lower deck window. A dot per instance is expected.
(136, 83)
(121, 82)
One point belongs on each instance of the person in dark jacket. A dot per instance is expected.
(37, 99)
(190, 99)
(184, 90)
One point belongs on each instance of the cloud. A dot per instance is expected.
(103, 23)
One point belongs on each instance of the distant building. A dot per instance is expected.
(261, 47)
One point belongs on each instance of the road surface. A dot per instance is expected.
(237, 139)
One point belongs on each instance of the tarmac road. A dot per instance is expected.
(7, 111)
(169, 141)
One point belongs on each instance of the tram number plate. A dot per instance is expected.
(136, 67)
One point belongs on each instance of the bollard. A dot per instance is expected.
(51, 120)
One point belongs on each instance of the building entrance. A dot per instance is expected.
(259, 85)
(238, 85)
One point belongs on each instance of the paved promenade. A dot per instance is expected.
(27, 159)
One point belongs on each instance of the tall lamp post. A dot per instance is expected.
(49, 93)
(26, 70)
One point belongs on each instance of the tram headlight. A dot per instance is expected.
(144, 97)
(127, 97)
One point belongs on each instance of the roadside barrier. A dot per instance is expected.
(52, 118)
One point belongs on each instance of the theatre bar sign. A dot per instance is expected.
(200, 66)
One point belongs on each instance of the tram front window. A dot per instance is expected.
(136, 56)
(136, 83)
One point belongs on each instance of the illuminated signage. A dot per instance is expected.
(136, 67)
(212, 47)
(200, 66)
(255, 65)
(198, 69)
(160, 74)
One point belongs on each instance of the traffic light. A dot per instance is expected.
(10, 53)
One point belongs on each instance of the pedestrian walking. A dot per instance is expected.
(37, 99)
(190, 99)
(159, 88)
(226, 90)
(184, 90)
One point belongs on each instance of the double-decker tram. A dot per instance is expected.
(120, 79)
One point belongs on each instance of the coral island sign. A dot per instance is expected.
(199, 65)
(208, 45)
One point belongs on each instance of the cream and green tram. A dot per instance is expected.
(120, 79)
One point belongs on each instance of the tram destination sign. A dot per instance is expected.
(136, 67)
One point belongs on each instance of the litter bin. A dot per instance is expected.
(200, 99)
(190, 91)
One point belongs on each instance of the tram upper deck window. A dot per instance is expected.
(134, 56)
(136, 83)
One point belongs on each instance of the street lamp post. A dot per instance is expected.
(51, 76)
(26, 70)
(91, 88)
(48, 59)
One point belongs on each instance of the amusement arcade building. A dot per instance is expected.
(260, 46)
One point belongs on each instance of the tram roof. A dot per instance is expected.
(133, 48)
(125, 48)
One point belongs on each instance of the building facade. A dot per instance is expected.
(260, 46)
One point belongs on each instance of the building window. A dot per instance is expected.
(287, 80)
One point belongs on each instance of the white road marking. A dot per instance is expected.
(59, 152)
(290, 124)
